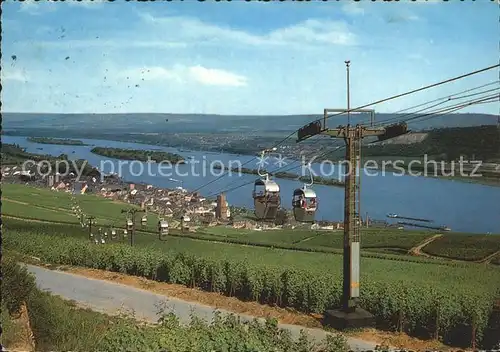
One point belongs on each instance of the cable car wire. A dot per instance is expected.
(365, 106)
(429, 116)
(450, 98)
(245, 163)
(413, 117)
(447, 96)
(416, 90)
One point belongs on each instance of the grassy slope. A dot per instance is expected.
(464, 246)
(29, 202)
(273, 276)
(375, 269)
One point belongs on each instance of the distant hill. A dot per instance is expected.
(482, 143)
(178, 123)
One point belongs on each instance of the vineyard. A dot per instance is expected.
(59, 325)
(372, 239)
(200, 243)
(464, 246)
(422, 299)
(496, 260)
(41, 204)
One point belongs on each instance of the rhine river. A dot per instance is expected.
(464, 207)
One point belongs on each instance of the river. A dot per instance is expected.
(464, 207)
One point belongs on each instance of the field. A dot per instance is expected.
(421, 296)
(42, 204)
(59, 325)
(464, 246)
(496, 260)
(402, 295)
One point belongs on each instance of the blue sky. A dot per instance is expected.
(241, 57)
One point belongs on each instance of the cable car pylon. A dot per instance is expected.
(350, 315)
(266, 193)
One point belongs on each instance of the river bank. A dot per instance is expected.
(464, 207)
(285, 175)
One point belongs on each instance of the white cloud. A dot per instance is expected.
(309, 32)
(14, 75)
(107, 43)
(183, 74)
(425, 1)
(216, 77)
(37, 7)
(88, 4)
(401, 17)
(176, 32)
(353, 9)
(313, 32)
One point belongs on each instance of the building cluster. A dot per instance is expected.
(170, 204)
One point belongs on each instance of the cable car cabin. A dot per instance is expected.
(130, 225)
(267, 200)
(163, 227)
(304, 205)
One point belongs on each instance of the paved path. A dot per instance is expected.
(488, 259)
(417, 250)
(109, 297)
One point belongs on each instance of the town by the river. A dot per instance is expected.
(464, 207)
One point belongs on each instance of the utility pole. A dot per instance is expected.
(347, 63)
(350, 315)
(90, 221)
(132, 212)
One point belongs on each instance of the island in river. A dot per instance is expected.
(59, 141)
(137, 154)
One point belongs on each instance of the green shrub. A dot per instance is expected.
(17, 284)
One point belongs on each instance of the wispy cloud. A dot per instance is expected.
(177, 32)
(37, 8)
(216, 77)
(184, 74)
(424, 1)
(313, 31)
(88, 4)
(401, 18)
(107, 43)
(14, 74)
(353, 9)
(308, 32)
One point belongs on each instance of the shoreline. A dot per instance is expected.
(492, 182)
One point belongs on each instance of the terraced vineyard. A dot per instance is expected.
(402, 295)
(269, 236)
(372, 238)
(496, 260)
(60, 325)
(464, 246)
(42, 204)
(413, 294)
